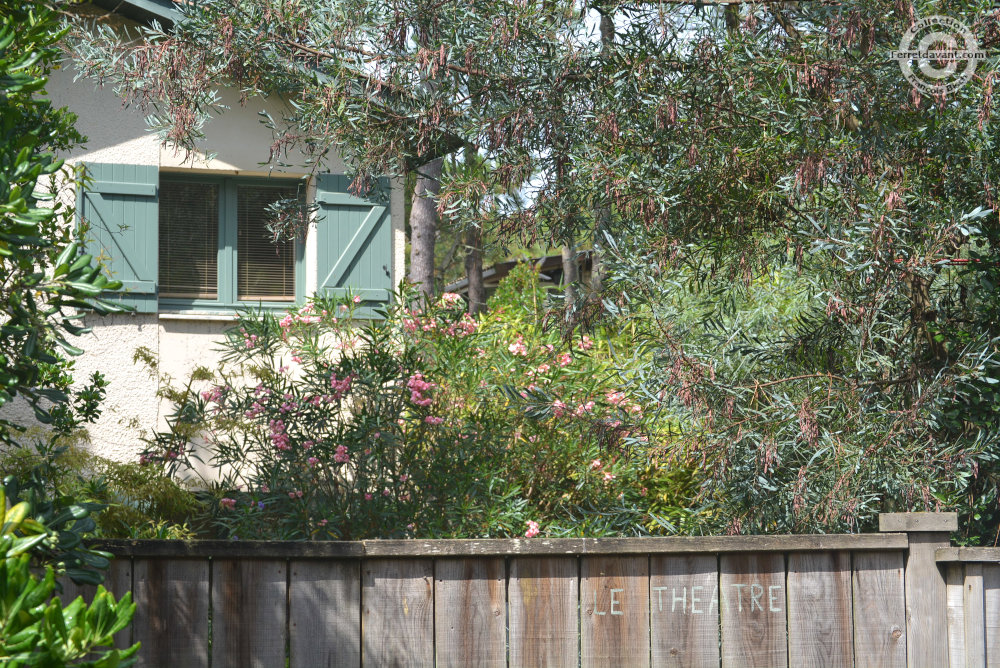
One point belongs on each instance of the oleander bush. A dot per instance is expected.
(426, 422)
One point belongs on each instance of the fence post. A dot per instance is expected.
(926, 592)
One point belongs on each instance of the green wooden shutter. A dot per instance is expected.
(354, 241)
(121, 205)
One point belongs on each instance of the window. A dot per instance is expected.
(214, 247)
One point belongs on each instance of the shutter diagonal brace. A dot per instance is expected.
(95, 211)
(343, 263)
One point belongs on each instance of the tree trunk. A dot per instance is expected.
(571, 274)
(602, 215)
(423, 226)
(474, 270)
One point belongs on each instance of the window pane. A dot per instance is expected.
(266, 270)
(189, 240)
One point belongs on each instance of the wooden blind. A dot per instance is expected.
(266, 269)
(189, 239)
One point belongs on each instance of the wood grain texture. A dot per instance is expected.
(684, 611)
(991, 596)
(754, 631)
(497, 547)
(975, 617)
(820, 609)
(543, 595)
(249, 627)
(324, 614)
(926, 604)
(956, 615)
(918, 522)
(397, 622)
(171, 612)
(614, 611)
(470, 612)
(879, 610)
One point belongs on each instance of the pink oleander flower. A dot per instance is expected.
(564, 359)
(596, 464)
(386, 492)
(368, 496)
(431, 419)
(341, 456)
(340, 387)
(532, 529)
(312, 461)
(558, 408)
(403, 477)
(213, 394)
(279, 438)
(451, 299)
(614, 398)
(609, 476)
(323, 522)
(518, 347)
(583, 409)
(227, 503)
(586, 343)
(357, 299)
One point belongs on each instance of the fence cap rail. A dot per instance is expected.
(222, 549)
(918, 522)
(967, 554)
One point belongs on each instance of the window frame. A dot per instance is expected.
(228, 246)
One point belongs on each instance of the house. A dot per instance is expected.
(186, 236)
(549, 268)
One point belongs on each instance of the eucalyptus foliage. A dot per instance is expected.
(810, 242)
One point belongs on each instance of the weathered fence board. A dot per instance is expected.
(543, 595)
(397, 623)
(171, 613)
(470, 612)
(991, 599)
(740, 601)
(324, 614)
(752, 602)
(819, 609)
(249, 601)
(879, 610)
(684, 611)
(975, 619)
(926, 595)
(614, 611)
(956, 615)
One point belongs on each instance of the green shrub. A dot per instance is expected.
(425, 423)
(35, 628)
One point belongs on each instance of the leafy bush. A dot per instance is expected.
(425, 423)
(35, 628)
(124, 500)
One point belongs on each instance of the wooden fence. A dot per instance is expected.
(902, 597)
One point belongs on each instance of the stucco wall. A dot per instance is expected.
(179, 341)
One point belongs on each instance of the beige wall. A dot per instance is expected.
(181, 341)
